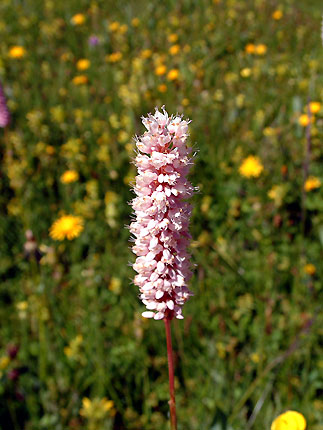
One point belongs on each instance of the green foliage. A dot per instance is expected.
(248, 348)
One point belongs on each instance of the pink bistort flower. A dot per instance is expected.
(162, 213)
(4, 112)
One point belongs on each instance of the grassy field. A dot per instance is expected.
(75, 352)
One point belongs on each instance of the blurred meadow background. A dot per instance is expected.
(75, 352)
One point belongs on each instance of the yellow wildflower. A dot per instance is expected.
(185, 102)
(261, 49)
(80, 80)
(4, 362)
(160, 70)
(290, 420)
(17, 52)
(96, 409)
(69, 176)
(277, 15)
(304, 120)
(173, 50)
(172, 38)
(146, 53)
(83, 64)
(315, 107)
(311, 183)
(251, 167)
(135, 22)
(123, 28)
(50, 149)
(173, 74)
(246, 72)
(162, 88)
(114, 57)
(250, 48)
(310, 269)
(114, 26)
(67, 226)
(78, 19)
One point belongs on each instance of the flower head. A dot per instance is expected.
(4, 112)
(78, 19)
(290, 420)
(311, 183)
(160, 230)
(83, 64)
(67, 226)
(17, 52)
(251, 167)
(69, 176)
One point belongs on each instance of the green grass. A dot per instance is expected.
(248, 348)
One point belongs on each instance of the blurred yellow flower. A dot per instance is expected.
(173, 50)
(97, 409)
(78, 19)
(69, 176)
(135, 22)
(251, 167)
(261, 49)
(160, 70)
(50, 149)
(115, 285)
(83, 64)
(304, 120)
(277, 15)
(250, 48)
(162, 88)
(4, 362)
(311, 183)
(277, 193)
(17, 52)
(290, 420)
(173, 74)
(185, 102)
(123, 28)
(114, 57)
(172, 38)
(67, 226)
(80, 80)
(114, 26)
(315, 107)
(310, 269)
(246, 72)
(146, 53)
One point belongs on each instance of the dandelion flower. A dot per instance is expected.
(311, 183)
(17, 52)
(173, 74)
(251, 167)
(304, 120)
(260, 49)
(83, 64)
(162, 88)
(290, 420)
(114, 57)
(78, 19)
(174, 50)
(67, 226)
(250, 48)
(162, 216)
(277, 15)
(80, 80)
(315, 107)
(160, 70)
(69, 176)
(172, 38)
(310, 269)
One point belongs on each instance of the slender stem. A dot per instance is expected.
(172, 404)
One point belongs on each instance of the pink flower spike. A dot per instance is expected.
(162, 214)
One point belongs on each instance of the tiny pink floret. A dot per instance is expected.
(161, 228)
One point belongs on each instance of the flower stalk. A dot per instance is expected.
(170, 358)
